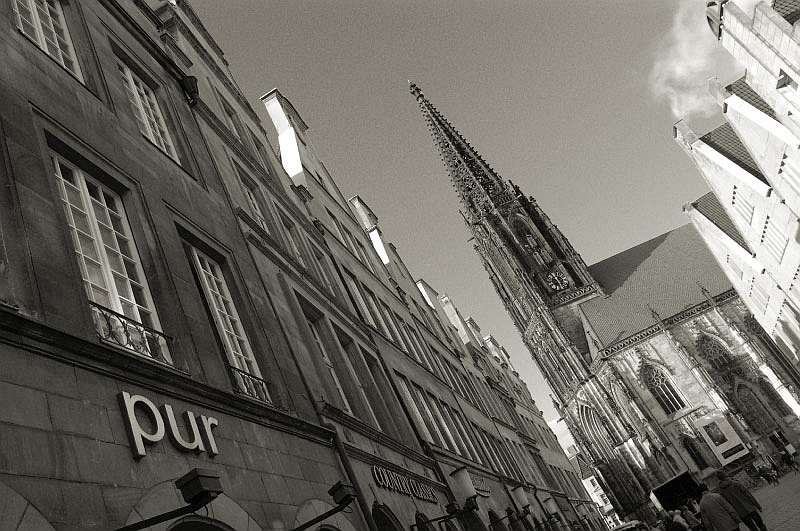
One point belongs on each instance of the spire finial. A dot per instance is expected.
(414, 89)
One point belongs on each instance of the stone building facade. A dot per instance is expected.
(655, 364)
(174, 295)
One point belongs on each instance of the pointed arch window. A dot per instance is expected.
(660, 385)
(717, 355)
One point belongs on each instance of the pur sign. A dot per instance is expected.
(403, 484)
(200, 437)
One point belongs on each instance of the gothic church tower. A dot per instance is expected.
(534, 269)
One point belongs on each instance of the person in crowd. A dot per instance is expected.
(746, 505)
(788, 461)
(689, 517)
(768, 474)
(716, 513)
(676, 517)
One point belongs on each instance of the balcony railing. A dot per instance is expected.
(119, 330)
(250, 385)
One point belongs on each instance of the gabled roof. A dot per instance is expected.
(725, 140)
(744, 91)
(712, 209)
(664, 274)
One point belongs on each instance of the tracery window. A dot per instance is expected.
(663, 390)
(715, 352)
(754, 412)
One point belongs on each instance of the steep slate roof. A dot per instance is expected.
(725, 140)
(662, 274)
(788, 9)
(743, 90)
(710, 207)
(580, 463)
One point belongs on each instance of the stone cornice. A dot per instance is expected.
(223, 77)
(233, 143)
(571, 295)
(123, 17)
(37, 338)
(667, 322)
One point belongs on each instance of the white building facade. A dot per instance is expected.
(751, 219)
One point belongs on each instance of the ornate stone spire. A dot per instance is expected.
(479, 188)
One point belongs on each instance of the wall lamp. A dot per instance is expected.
(199, 487)
(342, 494)
(453, 511)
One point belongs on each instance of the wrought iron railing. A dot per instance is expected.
(250, 385)
(119, 330)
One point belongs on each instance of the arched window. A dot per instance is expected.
(660, 385)
(691, 447)
(715, 353)
(754, 412)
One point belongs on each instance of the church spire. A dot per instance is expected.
(479, 188)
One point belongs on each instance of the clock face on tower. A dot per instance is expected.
(557, 280)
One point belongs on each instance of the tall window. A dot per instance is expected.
(325, 273)
(355, 292)
(715, 353)
(660, 385)
(109, 262)
(316, 332)
(146, 110)
(43, 22)
(244, 368)
(293, 239)
(252, 192)
(229, 117)
(742, 205)
(774, 239)
(416, 414)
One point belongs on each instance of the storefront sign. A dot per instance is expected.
(390, 480)
(721, 437)
(201, 438)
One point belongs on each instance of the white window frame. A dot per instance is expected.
(255, 198)
(44, 17)
(294, 239)
(147, 110)
(313, 325)
(105, 247)
(229, 326)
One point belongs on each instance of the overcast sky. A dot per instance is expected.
(572, 100)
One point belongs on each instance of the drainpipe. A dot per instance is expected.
(366, 511)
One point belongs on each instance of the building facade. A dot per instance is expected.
(647, 352)
(749, 164)
(176, 295)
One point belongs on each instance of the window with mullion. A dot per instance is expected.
(107, 257)
(255, 200)
(147, 111)
(43, 22)
(316, 332)
(226, 318)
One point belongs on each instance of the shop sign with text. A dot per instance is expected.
(200, 435)
(403, 484)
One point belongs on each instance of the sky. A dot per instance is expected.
(572, 100)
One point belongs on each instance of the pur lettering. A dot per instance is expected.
(199, 438)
